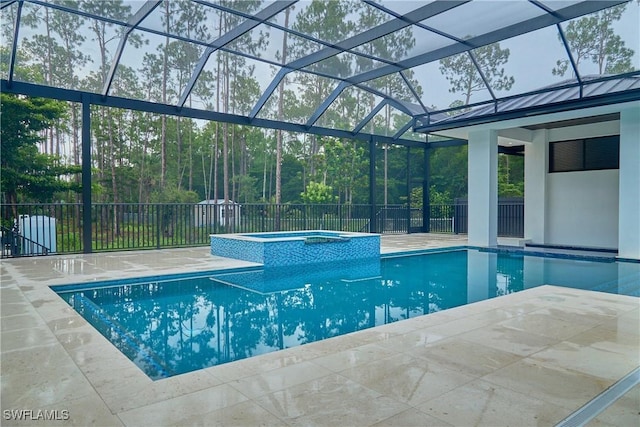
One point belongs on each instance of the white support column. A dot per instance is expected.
(629, 184)
(483, 188)
(536, 157)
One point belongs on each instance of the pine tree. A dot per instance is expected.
(464, 77)
(593, 38)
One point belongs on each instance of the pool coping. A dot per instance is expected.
(299, 235)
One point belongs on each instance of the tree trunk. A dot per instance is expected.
(165, 74)
(112, 160)
(214, 153)
(216, 148)
(225, 141)
(264, 172)
(49, 77)
(142, 159)
(281, 118)
(179, 156)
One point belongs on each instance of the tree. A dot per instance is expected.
(593, 37)
(436, 198)
(464, 77)
(510, 176)
(393, 47)
(449, 171)
(56, 49)
(326, 21)
(232, 71)
(26, 173)
(104, 34)
(318, 193)
(344, 162)
(283, 58)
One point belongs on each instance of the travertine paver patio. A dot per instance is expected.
(530, 358)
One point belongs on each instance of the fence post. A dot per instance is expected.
(158, 226)
(372, 186)
(86, 176)
(453, 220)
(426, 188)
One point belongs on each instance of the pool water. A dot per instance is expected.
(173, 325)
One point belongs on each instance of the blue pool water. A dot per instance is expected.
(170, 325)
(294, 234)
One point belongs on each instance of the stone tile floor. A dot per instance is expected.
(530, 358)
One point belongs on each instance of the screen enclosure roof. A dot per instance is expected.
(388, 69)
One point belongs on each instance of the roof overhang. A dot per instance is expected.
(519, 130)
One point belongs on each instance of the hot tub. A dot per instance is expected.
(280, 249)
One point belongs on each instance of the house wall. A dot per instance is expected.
(582, 207)
(629, 188)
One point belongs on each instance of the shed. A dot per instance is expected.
(213, 211)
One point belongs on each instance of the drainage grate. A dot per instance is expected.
(599, 403)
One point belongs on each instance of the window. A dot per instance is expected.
(585, 154)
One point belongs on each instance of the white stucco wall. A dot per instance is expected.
(582, 208)
(570, 208)
(629, 188)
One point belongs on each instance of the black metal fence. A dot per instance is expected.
(40, 229)
(510, 217)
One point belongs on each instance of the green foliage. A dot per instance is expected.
(435, 197)
(439, 198)
(292, 182)
(463, 75)
(345, 163)
(449, 170)
(246, 188)
(510, 176)
(507, 189)
(593, 38)
(26, 173)
(172, 194)
(318, 193)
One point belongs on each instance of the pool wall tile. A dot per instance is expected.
(245, 250)
(283, 251)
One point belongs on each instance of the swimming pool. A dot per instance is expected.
(168, 325)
